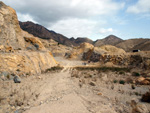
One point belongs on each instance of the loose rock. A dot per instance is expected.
(17, 79)
(146, 97)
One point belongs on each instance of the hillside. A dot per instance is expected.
(128, 45)
(80, 40)
(109, 40)
(41, 32)
(131, 44)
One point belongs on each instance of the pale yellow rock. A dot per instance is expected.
(1, 47)
(34, 41)
(13, 58)
(26, 62)
(112, 49)
(9, 26)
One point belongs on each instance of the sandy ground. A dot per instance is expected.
(59, 92)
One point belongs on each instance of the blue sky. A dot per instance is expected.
(94, 19)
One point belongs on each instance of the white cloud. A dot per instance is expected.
(51, 11)
(106, 31)
(72, 18)
(142, 6)
(75, 27)
(25, 17)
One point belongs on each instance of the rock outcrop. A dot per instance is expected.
(14, 57)
(34, 42)
(99, 53)
(146, 97)
(110, 54)
(26, 62)
(10, 31)
(138, 108)
(78, 52)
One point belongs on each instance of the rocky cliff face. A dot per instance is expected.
(20, 52)
(26, 62)
(10, 31)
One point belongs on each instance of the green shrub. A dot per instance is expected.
(122, 72)
(104, 69)
(90, 76)
(122, 82)
(115, 81)
(137, 94)
(8, 76)
(18, 70)
(56, 68)
(135, 74)
(133, 86)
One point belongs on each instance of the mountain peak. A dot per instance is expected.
(109, 40)
(43, 33)
(112, 37)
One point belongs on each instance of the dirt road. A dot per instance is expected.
(60, 95)
(59, 92)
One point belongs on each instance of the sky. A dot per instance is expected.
(94, 19)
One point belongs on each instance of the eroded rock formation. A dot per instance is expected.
(14, 55)
(10, 31)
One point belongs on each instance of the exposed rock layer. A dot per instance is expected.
(12, 40)
(26, 62)
(10, 31)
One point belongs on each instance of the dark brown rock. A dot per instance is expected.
(43, 33)
(146, 97)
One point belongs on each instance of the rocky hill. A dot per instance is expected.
(80, 40)
(131, 44)
(127, 45)
(109, 40)
(41, 32)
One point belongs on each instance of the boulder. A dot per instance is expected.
(17, 79)
(1, 47)
(92, 84)
(143, 81)
(137, 107)
(140, 79)
(34, 41)
(146, 97)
